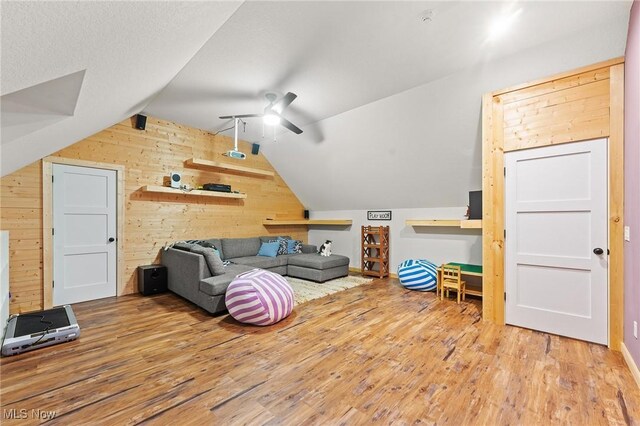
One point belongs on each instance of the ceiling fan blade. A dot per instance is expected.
(224, 117)
(284, 102)
(289, 125)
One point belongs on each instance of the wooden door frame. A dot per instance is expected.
(47, 221)
(493, 149)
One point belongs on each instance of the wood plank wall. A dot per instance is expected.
(574, 106)
(151, 220)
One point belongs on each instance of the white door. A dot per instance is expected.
(556, 264)
(84, 231)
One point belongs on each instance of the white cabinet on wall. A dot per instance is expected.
(4, 279)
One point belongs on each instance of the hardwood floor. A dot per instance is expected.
(374, 353)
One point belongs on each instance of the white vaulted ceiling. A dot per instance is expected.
(337, 56)
(377, 87)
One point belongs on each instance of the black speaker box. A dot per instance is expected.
(306, 214)
(152, 279)
(255, 148)
(475, 204)
(141, 121)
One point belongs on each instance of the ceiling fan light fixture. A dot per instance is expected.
(271, 119)
(271, 115)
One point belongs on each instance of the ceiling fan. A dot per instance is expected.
(272, 112)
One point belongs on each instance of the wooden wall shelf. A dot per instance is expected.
(196, 192)
(471, 224)
(325, 222)
(464, 223)
(197, 163)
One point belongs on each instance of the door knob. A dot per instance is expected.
(113, 239)
(598, 251)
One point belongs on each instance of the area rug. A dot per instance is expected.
(304, 290)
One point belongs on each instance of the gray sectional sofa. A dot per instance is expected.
(189, 275)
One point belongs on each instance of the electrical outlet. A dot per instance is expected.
(635, 329)
(627, 233)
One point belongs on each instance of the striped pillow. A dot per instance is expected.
(418, 274)
(282, 248)
(259, 297)
(294, 246)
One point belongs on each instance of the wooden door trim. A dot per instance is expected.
(616, 207)
(604, 64)
(47, 221)
(493, 197)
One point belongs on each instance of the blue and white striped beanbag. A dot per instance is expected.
(418, 274)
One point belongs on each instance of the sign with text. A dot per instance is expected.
(379, 215)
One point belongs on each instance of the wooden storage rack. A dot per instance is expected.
(374, 259)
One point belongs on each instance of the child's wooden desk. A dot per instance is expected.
(465, 269)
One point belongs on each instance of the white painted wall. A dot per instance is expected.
(437, 244)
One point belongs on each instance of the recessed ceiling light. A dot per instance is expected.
(501, 24)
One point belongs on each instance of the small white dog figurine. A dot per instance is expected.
(325, 249)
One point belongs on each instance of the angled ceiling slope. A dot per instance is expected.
(129, 51)
(28, 110)
(422, 148)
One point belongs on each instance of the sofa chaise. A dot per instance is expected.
(190, 277)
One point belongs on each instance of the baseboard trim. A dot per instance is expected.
(630, 363)
(358, 270)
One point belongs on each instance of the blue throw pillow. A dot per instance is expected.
(269, 249)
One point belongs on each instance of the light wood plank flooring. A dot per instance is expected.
(374, 353)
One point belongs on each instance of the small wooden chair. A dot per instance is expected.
(451, 280)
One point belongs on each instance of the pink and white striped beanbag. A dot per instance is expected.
(259, 297)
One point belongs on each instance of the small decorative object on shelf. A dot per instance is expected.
(475, 205)
(176, 180)
(374, 259)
